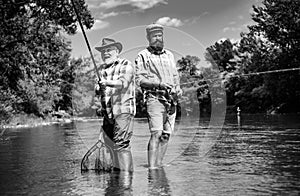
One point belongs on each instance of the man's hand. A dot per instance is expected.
(164, 86)
(100, 87)
(103, 83)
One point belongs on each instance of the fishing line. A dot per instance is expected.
(245, 75)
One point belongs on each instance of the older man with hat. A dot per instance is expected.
(117, 85)
(157, 75)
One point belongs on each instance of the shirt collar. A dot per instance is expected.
(112, 64)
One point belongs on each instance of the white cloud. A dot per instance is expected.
(140, 4)
(92, 3)
(171, 22)
(107, 15)
(226, 29)
(99, 24)
(195, 19)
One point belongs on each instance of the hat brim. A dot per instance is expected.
(117, 44)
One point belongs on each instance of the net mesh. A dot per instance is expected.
(99, 157)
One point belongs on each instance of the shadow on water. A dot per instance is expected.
(260, 158)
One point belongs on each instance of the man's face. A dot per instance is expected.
(109, 54)
(156, 39)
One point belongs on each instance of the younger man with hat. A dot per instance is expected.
(117, 86)
(157, 75)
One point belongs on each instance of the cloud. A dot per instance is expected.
(195, 19)
(99, 24)
(140, 4)
(92, 3)
(170, 22)
(226, 29)
(107, 15)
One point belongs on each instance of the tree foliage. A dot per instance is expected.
(196, 95)
(272, 43)
(277, 34)
(34, 54)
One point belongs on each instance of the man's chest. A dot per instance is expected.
(111, 73)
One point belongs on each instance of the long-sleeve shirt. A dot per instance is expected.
(157, 68)
(120, 100)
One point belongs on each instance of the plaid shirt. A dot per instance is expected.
(157, 68)
(120, 100)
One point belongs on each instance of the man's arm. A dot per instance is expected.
(125, 77)
(142, 77)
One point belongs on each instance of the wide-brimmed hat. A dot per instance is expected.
(107, 42)
(154, 27)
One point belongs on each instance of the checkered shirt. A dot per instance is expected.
(120, 100)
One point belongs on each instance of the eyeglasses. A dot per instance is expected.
(108, 49)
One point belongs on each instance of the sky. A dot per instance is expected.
(190, 25)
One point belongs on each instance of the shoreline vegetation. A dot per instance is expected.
(30, 121)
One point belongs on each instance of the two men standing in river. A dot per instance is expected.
(156, 74)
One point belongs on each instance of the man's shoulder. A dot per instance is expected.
(144, 52)
(168, 52)
(124, 61)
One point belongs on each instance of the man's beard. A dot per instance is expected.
(158, 45)
(109, 60)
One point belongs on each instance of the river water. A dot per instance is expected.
(260, 157)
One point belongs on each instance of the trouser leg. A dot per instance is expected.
(125, 160)
(122, 135)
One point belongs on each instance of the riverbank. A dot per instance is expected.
(29, 121)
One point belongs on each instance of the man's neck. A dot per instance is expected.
(155, 50)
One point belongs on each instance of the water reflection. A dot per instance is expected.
(158, 182)
(119, 183)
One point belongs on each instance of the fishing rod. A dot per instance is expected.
(102, 163)
(86, 40)
(245, 75)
